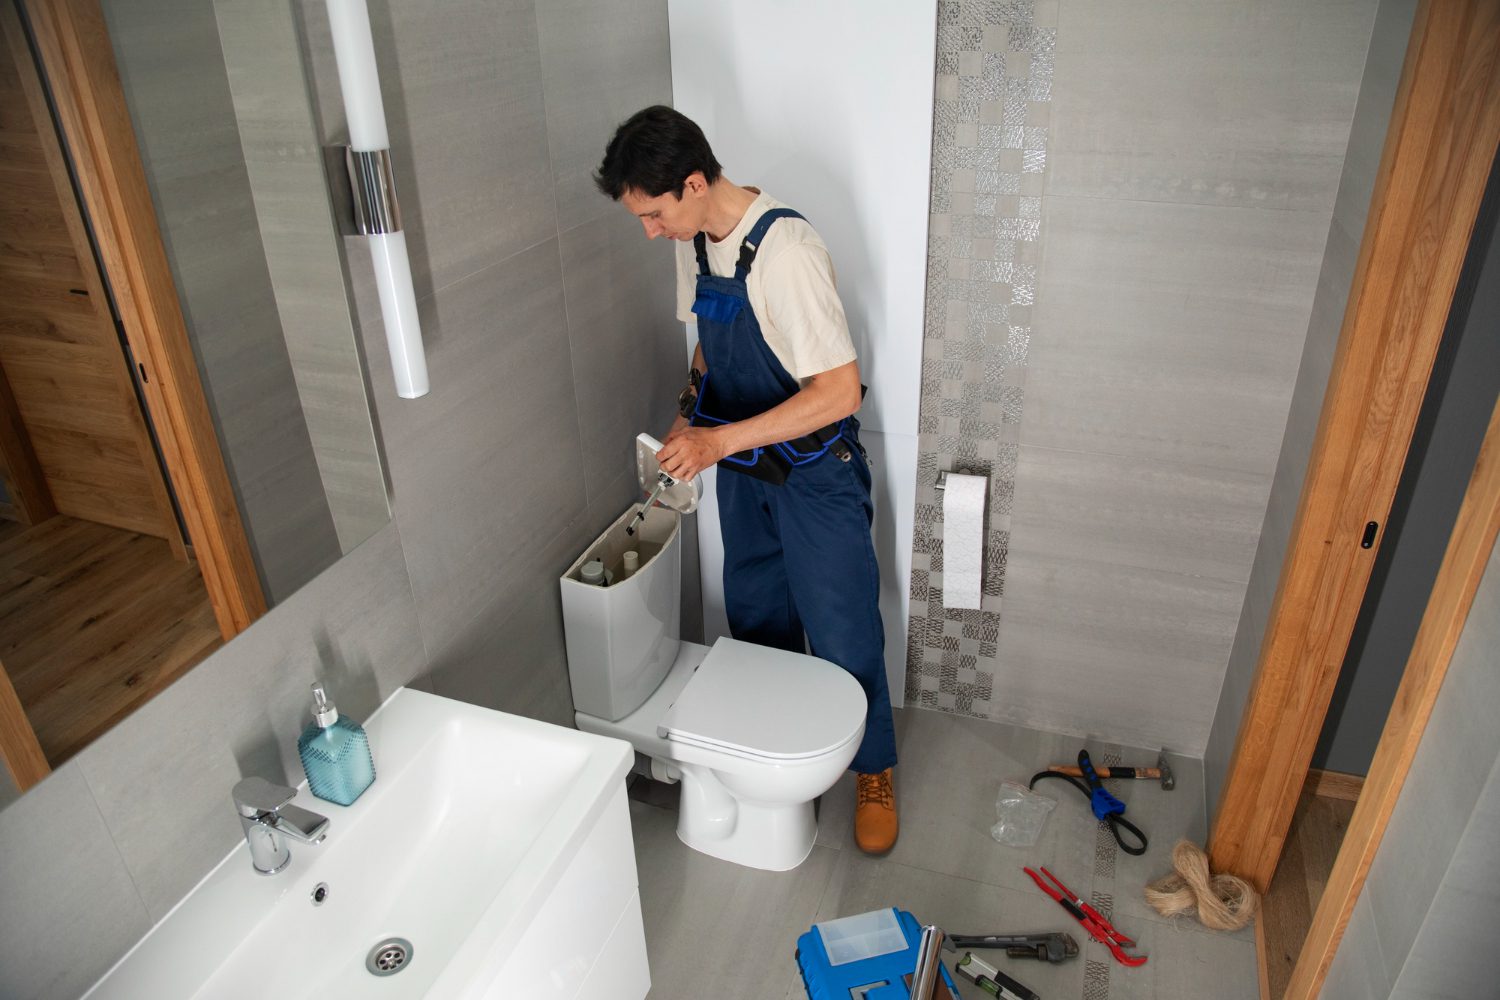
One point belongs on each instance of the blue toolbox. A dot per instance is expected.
(870, 956)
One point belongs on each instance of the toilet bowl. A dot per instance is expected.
(754, 734)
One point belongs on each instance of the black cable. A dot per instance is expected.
(1115, 820)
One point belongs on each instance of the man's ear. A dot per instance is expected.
(695, 184)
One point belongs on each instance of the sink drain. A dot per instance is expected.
(389, 957)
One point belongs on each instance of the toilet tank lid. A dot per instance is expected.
(765, 702)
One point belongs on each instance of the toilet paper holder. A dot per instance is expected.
(942, 479)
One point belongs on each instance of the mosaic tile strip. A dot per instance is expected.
(1106, 848)
(989, 151)
(1096, 980)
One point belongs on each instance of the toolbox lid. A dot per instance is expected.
(755, 701)
(864, 935)
(681, 497)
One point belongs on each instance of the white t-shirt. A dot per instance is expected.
(791, 288)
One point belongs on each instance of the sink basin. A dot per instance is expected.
(496, 847)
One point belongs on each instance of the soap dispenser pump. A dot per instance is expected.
(335, 753)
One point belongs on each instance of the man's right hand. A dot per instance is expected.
(689, 450)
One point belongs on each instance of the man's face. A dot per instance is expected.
(676, 218)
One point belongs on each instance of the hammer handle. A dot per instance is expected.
(1108, 772)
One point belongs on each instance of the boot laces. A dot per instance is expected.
(876, 789)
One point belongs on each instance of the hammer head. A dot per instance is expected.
(1167, 781)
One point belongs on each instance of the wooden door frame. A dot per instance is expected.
(1469, 551)
(1438, 156)
(163, 521)
(77, 57)
(19, 749)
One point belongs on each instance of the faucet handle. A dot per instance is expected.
(253, 796)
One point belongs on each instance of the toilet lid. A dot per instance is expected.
(762, 702)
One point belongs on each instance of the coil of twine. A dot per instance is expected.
(1222, 902)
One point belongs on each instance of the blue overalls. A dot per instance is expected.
(797, 556)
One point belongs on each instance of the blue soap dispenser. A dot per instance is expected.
(335, 753)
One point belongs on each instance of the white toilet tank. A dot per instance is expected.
(623, 638)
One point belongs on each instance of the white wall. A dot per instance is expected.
(827, 106)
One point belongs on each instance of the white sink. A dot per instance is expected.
(498, 846)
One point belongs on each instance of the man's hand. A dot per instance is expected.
(687, 451)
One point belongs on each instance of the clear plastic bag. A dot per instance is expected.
(1022, 814)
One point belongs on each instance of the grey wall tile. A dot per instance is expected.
(1254, 614)
(1358, 969)
(1340, 254)
(1089, 647)
(629, 360)
(1453, 953)
(1372, 114)
(1213, 103)
(485, 467)
(511, 656)
(1156, 515)
(8, 790)
(462, 86)
(1170, 332)
(284, 161)
(67, 906)
(239, 714)
(601, 63)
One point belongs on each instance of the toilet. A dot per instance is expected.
(754, 734)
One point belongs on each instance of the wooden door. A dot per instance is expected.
(60, 354)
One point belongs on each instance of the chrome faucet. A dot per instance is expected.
(269, 818)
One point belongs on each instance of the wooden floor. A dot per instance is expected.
(94, 621)
(1312, 843)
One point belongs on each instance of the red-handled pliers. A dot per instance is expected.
(1098, 926)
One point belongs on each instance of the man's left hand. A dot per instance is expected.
(689, 450)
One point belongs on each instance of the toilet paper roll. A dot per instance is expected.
(963, 540)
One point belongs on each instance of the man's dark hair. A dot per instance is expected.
(653, 152)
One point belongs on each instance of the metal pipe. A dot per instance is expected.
(924, 978)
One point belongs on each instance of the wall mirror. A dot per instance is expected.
(140, 530)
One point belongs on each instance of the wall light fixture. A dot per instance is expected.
(376, 211)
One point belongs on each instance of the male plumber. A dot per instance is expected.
(771, 400)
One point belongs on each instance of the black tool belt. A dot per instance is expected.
(774, 463)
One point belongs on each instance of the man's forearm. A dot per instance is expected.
(819, 403)
(828, 397)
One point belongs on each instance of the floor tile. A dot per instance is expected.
(717, 928)
(1185, 962)
(946, 783)
(945, 869)
(959, 906)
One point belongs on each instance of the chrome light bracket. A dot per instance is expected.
(372, 190)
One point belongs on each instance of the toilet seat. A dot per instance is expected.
(766, 704)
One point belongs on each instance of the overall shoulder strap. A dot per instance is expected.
(699, 248)
(751, 246)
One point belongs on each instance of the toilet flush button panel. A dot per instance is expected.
(763, 702)
(680, 496)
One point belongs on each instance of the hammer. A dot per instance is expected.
(1162, 771)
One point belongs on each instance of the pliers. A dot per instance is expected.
(1098, 926)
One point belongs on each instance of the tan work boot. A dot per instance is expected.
(875, 824)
